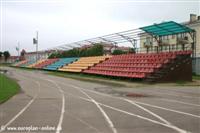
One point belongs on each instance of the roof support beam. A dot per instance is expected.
(113, 42)
(131, 40)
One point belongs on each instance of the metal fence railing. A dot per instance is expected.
(164, 48)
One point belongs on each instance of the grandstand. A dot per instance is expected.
(36, 63)
(60, 63)
(83, 63)
(28, 63)
(159, 62)
(17, 64)
(145, 66)
(45, 63)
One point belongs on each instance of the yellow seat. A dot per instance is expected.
(83, 63)
(36, 63)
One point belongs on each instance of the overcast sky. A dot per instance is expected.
(65, 21)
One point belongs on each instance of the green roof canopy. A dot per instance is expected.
(166, 28)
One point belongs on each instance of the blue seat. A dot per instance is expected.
(28, 63)
(60, 63)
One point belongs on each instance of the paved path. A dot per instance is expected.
(58, 105)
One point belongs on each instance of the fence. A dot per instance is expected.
(196, 65)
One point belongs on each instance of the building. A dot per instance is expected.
(37, 55)
(175, 42)
(11, 59)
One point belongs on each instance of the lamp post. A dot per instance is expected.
(35, 41)
(18, 49)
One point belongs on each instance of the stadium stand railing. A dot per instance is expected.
(83, 63)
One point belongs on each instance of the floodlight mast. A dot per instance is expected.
(18, 49)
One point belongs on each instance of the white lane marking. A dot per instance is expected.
(145, 118)
(22, 111)
(100, 93)
(148, 111)
(59, 126)
(135, 115)
(111, 125)
(175, 101)
(159, 107)
(176, 111)
(84, 122)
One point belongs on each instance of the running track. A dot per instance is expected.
(72, 106)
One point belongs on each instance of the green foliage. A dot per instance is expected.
(6, 55)
(96, 50)
(118, 52)
(1, 54)
(132, 50)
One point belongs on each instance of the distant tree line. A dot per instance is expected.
(5, 54)
(118, 51)
(96, 50)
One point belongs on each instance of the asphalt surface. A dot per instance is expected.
(50, 104)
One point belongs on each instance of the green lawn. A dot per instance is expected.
(5, 64)
(197, 77)
(117, 82)
(8, 88)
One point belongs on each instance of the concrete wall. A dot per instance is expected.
(196, 27)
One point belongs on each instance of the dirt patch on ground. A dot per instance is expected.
(119, 93)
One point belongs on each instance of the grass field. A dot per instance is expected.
(90, 78)
(197, 77)
(8, 88)
(117, 82)
(5, 64)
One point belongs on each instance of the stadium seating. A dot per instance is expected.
(18, 64)
(60, 63)
(83, 63)
(133, 65)
(148, 66)
(36, 63)
(45, 63)
(28, 63)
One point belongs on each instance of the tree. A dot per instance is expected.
(6, 55)
(118, 52)
(1, 54)
(23, 52)
(96, 50)
(132, 50)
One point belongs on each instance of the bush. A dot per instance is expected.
(118, 52)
